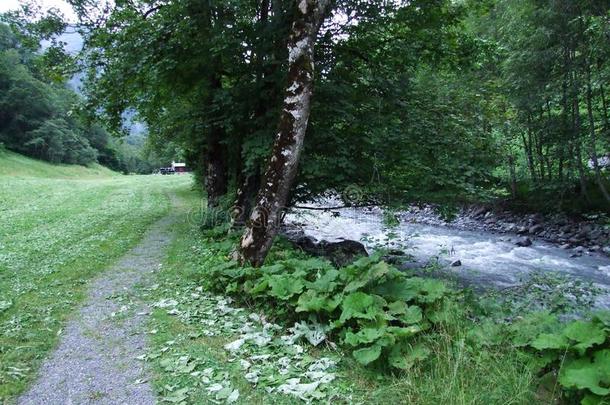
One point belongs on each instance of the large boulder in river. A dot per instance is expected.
(339, 253)
(524, 242)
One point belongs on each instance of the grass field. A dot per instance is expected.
(60, 226)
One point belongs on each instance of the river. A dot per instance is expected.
(487, 259)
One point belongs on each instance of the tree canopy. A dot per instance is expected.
(412, 100)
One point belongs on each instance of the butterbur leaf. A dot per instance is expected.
(364, 336)
(584, 374)
(367, 355)
(550, 341)
(260, 286)
(404, 358)
(397, 308)
(418, 352)
(398, 360)
(326, 283)
(359, 305)
(395, 290)
(310, 301)
(356, 285)
(378, 270)
(428, 290)
(285, 286)
(590, 399)
(532, 326)
(404, 332)
(413, 315)
(602, 318)
(586, 334)
(602, 360)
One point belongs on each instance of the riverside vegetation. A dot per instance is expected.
(249, 335)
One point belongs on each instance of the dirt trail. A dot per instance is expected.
(96, 360)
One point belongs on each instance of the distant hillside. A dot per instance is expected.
(16, 165)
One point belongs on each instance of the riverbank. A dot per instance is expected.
(579, 235)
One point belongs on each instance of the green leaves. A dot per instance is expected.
(364, 336)
(580, 351)
(311, 301)
(375, 309)
(586, 334)
(584, 374)
(367, 355)
(360, 305)
(285, 286)
(550, 341)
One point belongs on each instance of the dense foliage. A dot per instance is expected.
(387, 319)
(41, 117)
(580, 351)
(413, 101)
(374, 309)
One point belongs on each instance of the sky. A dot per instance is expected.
(7, 5)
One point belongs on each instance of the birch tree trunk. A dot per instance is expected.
(262, 226)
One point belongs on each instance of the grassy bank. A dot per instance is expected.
(190, 330)
(61, 225)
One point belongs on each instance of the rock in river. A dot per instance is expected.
(339, 253)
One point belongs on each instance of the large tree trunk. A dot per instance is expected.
(216, 174)
(263, 224)
(216, 155)
(246, 195)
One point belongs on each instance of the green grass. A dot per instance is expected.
(61, 226)
(455, 373)
(18, 166)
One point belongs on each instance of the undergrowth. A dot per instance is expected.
(396, 338)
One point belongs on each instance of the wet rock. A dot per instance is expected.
(565, 246)
(339, 253)
(395, 252)
(535, 229)
(524, 242)
(534, 219)
(456, 263)
(479, 211)
(522, 230)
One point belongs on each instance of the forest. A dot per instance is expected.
(495, 108)
(426, 101)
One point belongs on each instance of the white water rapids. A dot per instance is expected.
(488, 259)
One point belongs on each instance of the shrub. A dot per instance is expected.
(370, 307)
(577, 352)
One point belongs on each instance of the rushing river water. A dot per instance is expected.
(487, 259)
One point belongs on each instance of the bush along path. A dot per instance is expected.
(96, 360)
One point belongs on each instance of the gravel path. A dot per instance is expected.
(96, 361)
